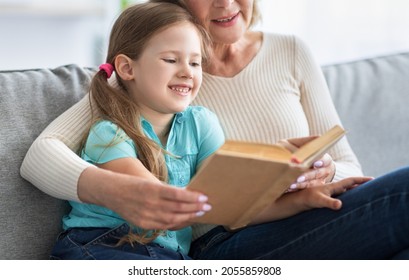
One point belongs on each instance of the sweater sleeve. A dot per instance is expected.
(320, 110)
(51, 163)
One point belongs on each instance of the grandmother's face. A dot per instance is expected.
(225, 20)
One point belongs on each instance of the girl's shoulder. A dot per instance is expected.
(107, 130)
(103, 124)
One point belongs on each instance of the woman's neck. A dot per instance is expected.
(229, 60)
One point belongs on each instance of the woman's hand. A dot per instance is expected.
(144, 203)
(322, 171)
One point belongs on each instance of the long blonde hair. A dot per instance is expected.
(129, 36)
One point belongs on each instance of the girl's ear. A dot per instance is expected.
(123, 67)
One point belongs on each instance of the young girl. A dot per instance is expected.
(146, 128)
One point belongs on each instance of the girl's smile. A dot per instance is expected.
(183, 90)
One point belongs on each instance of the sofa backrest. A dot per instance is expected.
(371, 97)
(29, 100)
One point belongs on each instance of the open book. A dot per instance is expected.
(242, 178)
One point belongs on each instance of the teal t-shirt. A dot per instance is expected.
(194, 135)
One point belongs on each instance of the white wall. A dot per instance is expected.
(47, 33)
(341, 30)
(43, 33)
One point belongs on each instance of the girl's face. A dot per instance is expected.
(225, 20)
(168, 74)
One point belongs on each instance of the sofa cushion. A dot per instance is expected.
(29, 100)
(372, 97)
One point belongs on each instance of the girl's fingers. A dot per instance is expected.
(340, 187)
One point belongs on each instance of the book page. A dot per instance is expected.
(251, 150)
(317, 147)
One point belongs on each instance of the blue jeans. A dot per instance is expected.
(372, 224)
(100, 244)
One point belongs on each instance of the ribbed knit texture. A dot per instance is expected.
(281, 94)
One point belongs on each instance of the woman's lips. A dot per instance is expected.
(226, 21)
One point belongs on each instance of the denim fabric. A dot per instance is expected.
(372, 224)
(100, 244)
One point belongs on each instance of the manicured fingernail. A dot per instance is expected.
(319, 163)
(206, 207)
(200, 213)
(293, 186)
(203, 198)
(300, 179)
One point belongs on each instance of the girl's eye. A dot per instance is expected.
(169, 60)
(195, 64)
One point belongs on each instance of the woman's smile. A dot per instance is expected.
(226, 21)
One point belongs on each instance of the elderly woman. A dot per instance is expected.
(264, 88)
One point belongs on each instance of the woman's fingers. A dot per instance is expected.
(161, 220)
(322, 172)
(153, 205)
(181, 195)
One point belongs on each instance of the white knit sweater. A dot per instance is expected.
(281, 94)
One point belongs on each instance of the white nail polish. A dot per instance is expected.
(200, 213)
(206, 207)
(293, 186)
(300, 179)
(318, 163)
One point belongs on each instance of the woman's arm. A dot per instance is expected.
(51, 163)
(320, 110)
(150, 204)
(53, 167)
(144, 203)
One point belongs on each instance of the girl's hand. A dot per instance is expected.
(322, 196)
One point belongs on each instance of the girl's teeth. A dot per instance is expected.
(184, 90)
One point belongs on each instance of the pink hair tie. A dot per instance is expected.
(108, 68)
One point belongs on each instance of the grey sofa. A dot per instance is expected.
(371, 96)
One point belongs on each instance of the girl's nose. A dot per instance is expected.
(186, 72)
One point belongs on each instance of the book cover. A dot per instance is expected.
(243, 178)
